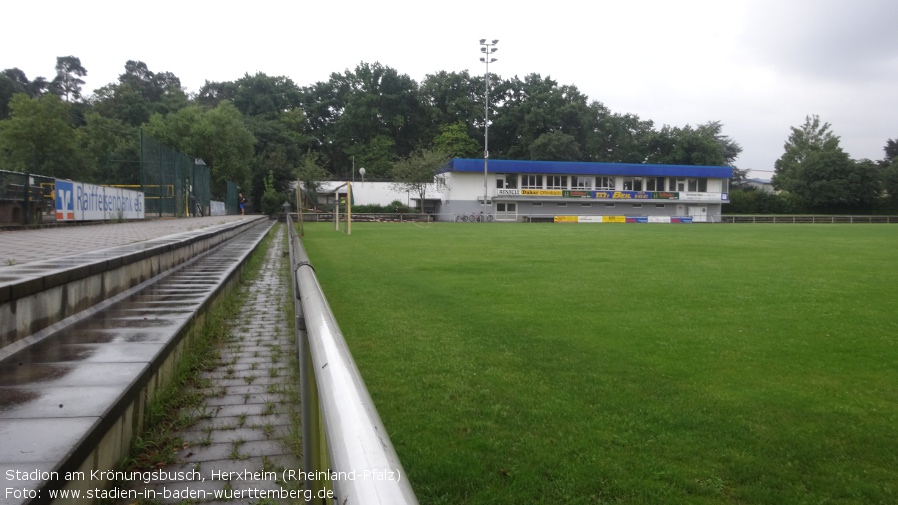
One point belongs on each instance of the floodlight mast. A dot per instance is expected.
(487, 48)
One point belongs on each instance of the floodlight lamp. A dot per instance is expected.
(483, 41)
(483, 60)
(482, 49)
(492, 60)
(494, 49)
(495, 41)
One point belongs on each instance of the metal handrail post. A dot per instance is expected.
(345, 446)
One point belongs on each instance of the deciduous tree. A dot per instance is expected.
(218, 136)
(39, 138)
(812, 137)
(140, 93)
(455, 142)
(417, 172)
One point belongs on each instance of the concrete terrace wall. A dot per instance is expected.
(106, 397)
(37, 295)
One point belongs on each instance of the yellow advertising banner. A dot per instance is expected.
(566, 219)
(614, 219)
(541, 192)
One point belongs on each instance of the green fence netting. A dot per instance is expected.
(174, 183)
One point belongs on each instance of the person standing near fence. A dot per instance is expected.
(242, 201)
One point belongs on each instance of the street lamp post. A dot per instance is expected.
(487, 48)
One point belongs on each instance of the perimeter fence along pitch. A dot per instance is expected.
(550, 363)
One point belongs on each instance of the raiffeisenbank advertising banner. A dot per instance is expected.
(78, 201)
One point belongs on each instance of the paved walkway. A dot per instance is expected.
(238, 445)
(27, 245)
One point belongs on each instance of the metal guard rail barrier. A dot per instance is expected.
(809, 218)
(346, 448)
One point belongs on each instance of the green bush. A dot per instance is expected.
(272, 200)
(392, 208)
(754, 201)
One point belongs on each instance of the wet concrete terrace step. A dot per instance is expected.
(73, 400)
(37, 294)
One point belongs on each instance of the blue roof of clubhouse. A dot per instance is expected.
(586, 168)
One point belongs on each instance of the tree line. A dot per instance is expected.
(261, 131)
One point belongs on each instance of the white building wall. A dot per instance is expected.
(376, 193)
(464, 194)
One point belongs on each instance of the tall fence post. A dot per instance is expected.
(26, 211)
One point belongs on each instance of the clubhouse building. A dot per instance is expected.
(580, 192)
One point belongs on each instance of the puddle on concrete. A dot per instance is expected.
(75, 336)
(155, 306)
(15, 372)
(146, 298)
(13, 397)
(49, 351)
(147, 313)
(102, 323)
(146, 337)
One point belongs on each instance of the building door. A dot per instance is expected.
(699, 213)
(506, 211)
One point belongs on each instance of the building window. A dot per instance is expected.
(609, 205)
(537, 204)
(556, 182)
(632, 183)
(530, 181)
(586, 205)
(510, 181)
(605, 183)
(561, 204)
(506, 207)
(581, 182)
(654, 184)
(677, 184)
(700, 185)
(659, 205)
(637, 205)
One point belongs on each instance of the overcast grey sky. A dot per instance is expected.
(758, 66)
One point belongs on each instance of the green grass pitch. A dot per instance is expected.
(656, 364)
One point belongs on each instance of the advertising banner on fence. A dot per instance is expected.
(623, 219)
(217, 208)
(599, 195)
(78, 201)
